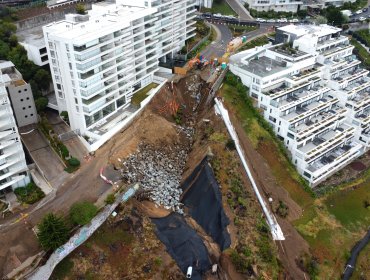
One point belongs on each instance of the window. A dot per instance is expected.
(29, 107)
(19, 91)
(59, 86)
(290, 135)
(27, 98)
(25, 89)
(26, 116)
(21, 99)
(31, 115)
(272, 119)
(24, 108)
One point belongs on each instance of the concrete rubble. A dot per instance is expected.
(159, 171)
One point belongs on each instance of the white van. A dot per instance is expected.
(189, 272)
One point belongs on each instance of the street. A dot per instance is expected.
(238, 7)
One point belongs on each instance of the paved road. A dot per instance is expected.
(218, 47)
(239, 9)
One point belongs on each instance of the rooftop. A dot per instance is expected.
(33, 36)
(287, 50)
(318, 30)
(103, 18)
(263, 66)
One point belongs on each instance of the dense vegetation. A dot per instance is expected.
(29, 194)
(82, 213)
(52, 232)
(11, 50)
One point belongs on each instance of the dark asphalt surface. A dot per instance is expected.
(239, 9)
(218, 47)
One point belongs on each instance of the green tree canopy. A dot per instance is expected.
(335, 16)
(42, 78)
(41, 103)
(81, 213)
(80, 9)
(52, 232)
(4, 50)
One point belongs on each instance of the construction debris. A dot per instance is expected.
(158, 172)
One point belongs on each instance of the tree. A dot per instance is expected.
(52, 232)
(81, 213)
(4, 50)
(41, 103)
(80, 9)
(320, 20)
(42, 78)
(335, 16)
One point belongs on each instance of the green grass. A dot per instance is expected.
(348, 206)
(29, 194)
(62, 270)
(362, 53)
(332, 223)
(220, 8)
(139, 96)
(238, 30)
(105, 236)
(260, 41)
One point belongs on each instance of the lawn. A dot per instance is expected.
(331, 224)
(220, 8)
(139, 96)
(239, 30)
(362, 53)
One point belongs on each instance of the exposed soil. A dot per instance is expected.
(260, 162)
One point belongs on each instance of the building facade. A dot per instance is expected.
(98, 61)
(13, 167)
(314, 94)
(20, 94)
(275, 5)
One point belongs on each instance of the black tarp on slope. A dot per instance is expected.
(204, 202)
(183, 244)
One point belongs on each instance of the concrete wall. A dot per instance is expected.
(47, 18)
(23, 104)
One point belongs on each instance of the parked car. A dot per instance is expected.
(359, 12)
(295, 20)
(364, 10)
(283, 20)
(362, 18)
(189, 272)
(270, 20)
(260, 20)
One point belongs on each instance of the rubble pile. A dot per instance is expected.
(158, 172)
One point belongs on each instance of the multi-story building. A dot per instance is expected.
(313, 93)
(13, 167)
(275, 5)
(205, 3)
(98, 61)
(20, 94)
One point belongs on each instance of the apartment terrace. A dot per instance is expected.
(350, 76)
(284, 89)
(308, 110)
(263, 66)
(326, 142)
(364, 117)
(318, 123)
(345, 65)
(332, 41)
(335, 158)
(296, 98)
(290, 53)
(360, 101)
(336, 49)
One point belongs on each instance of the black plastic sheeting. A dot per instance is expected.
(204, 202)
(350, 266)
(183, 244)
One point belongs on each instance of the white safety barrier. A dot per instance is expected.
(277, 233)
(45, 271)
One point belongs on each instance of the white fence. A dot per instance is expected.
(277, 233)
(45, 271)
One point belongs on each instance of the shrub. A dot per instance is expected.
(110, 199)
(41, 103)
(52, 232)
(63, 150)
(81, 213)
(282, 210)
(230, 144)
(29, 194)
(74, 162)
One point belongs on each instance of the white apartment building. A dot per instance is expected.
(275, 5)
(205, 3)
(13, 167)
(98, 61)
(314, 94)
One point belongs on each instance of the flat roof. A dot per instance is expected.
(104, 17)
(318, 30)
(33, 36)
(263, 66)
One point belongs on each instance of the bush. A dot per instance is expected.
(29, 194)
(110, 199)
(52, 232)
(63, 150)
(81, 213)
(282, 210)
(41, 104)
(74, 162)
(230, 144)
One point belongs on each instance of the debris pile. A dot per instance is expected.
(158, 172)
